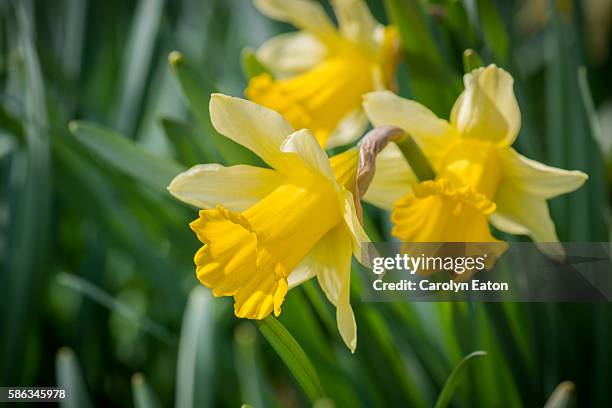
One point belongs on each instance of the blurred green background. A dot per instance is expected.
(97, 284)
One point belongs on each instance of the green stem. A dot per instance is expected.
(415, 158)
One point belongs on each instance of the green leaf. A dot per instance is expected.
(70, 378)
(293, 356)
(433, 83)
(453, 380)
(250, 375)
(188, 144)
(250, 64)
(28, 198)
(143, 395)
(198, 91)
(195, 368)
(494, 32)
(125, 156)
(562, 395)
(137, 62)
(101, 297)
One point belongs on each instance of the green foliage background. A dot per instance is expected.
(97, 285)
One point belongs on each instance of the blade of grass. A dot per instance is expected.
(117, 151)
(144, 397)
(187, 143)
(198, 92)
(195, 367)
(103, 298)
(137, 62)
(423, 56)
(493, 30)
(70, 378)
(253, 390)
(293, 356)
(561, 396)
(28, 195)
(455, 378)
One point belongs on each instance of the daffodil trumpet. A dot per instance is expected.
(267, 230)
(480, 178)
(318, 75)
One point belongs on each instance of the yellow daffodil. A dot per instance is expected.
(320, 74)
(480, 178)
(267, 230)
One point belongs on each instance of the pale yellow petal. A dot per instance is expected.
(356, 22)
(303, 272)
(392, 180)
(235, 187)
(431, 133)
(537, 178)
(259, 129)
(488, 109)
(306, 15)
(358, 235)
(518, 209)
(305, 145)
(351, 128)
(332, 260)
(291, 54)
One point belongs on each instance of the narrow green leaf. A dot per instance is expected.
(143, 395)
(125, 156)
(293, 356)
(70, 378)
(136, 62)
(432, 81)
(494, 32)
(250, 64)
(250, 375)
(28, 192)
(455, 378)
(103, 298)
(411, 21)
(188, 144)
(562, 395)
(471, 60)
(198, 91)
(11, 124)
(195, 367)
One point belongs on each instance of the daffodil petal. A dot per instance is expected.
(345, 166)
(518, 209)
(235, 187)
(349, 129)
(537, 178)
(488, 109)
(304, 14)
(305, 145)
(431, 133)
(392, 180)
(358, 235)
(259, 129)
(291, 54)
(303, 272)
(356, 22)
(332, 256)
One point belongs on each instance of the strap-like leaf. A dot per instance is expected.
(293, 356)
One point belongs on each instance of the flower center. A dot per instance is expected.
(249, 255)
(472, 163)
(317, 99)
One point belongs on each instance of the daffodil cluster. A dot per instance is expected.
(267, 230)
